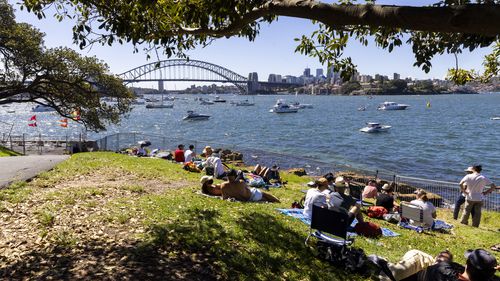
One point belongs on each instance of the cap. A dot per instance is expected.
(469, 169)
(481, 260)
(204, 179)
(207, 149)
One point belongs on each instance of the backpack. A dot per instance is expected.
(376, 212)
(368, 229)
(349, 258)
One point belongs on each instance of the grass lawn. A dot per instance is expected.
(7, 152)
(108, 216)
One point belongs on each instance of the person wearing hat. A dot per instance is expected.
(428, 208)
(461, 198)
(213, 162)
(239, 190)
(386, 198)
(316, 196)
(473, 186)
(208, 187)
(342, 201)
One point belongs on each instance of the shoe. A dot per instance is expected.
(382, 264)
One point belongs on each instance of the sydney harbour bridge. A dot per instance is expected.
(200, 71)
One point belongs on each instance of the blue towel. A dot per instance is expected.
(297, 213)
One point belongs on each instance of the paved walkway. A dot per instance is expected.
(21, 168)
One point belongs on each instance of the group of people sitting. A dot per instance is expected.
(385, 198)
(235, 188)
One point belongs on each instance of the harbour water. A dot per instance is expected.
(436, 142)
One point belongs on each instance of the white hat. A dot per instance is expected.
(204, 179)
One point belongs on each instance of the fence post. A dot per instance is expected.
(40, 143)
(11, 148)
(117, 141)
(24, 145)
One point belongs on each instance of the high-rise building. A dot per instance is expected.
(396, 76)
(307, 72)
(319, 72)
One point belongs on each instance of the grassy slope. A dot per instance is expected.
(217, 239)
(7, 152)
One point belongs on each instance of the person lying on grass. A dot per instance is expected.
(208, 187)
(239, 190)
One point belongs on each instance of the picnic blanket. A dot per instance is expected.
(297, 213)
(439, 225)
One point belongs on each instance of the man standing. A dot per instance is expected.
(472, 185)
(461, 199)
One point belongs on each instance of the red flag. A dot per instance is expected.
(65, 120)
(64, 125)
(32, 124)
(33, 118)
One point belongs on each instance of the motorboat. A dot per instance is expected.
(195, 116)
(205, 102)
(282, 107)
(495, 118)
(42, 108)
(138, 102)
(152, 99)
(374, 128)
(219, 99)
(299, 105)
(159, 105)
(244, 103)
(362, 108)
(389, 105)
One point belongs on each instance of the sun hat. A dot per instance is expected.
(481, 260)
(469, 169)
(386, 187)
(420, 192)
(340, 182)
(204, 179)
(207, 150)
(322, 182)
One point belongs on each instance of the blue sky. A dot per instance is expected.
(271, 52)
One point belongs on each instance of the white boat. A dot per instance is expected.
(495, 118)
(159, 105)
(282, 107)
(362, 108)
(42, 108)
(299, 105)
(374, 128)
(218, 99)
(195, 116)
(389, 105)
(205, 102)
(138, 102)
(152, 99)
(243, 103)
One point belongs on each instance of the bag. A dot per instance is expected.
(368, 229)
(191, 167)
(376, 212)
(209, 171)
(350, 258)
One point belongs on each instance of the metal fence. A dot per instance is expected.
(449, 191)
(42, 144)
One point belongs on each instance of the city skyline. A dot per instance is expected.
(271, 53)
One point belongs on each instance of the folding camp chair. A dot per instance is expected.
(334, 222)
(414, 216)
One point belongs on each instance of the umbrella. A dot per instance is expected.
(144, 143)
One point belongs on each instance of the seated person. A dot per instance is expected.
(239, 190)
(386, 199)
(214, 163)
(429, 209)
(331, 181)
(267, 174)
(189, 154)
(340, 200)
(179, 154)
(208, 187)
(370, 191)
(316, 196)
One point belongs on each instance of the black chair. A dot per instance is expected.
(331, 221)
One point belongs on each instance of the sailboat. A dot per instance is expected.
(159, 105)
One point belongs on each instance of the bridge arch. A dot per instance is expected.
(184, 70)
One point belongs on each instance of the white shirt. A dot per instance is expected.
(216, 163)
(313, 197)
(475, 186)
(188, 155)
(428, 208)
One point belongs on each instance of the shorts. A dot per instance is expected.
(256, 195)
